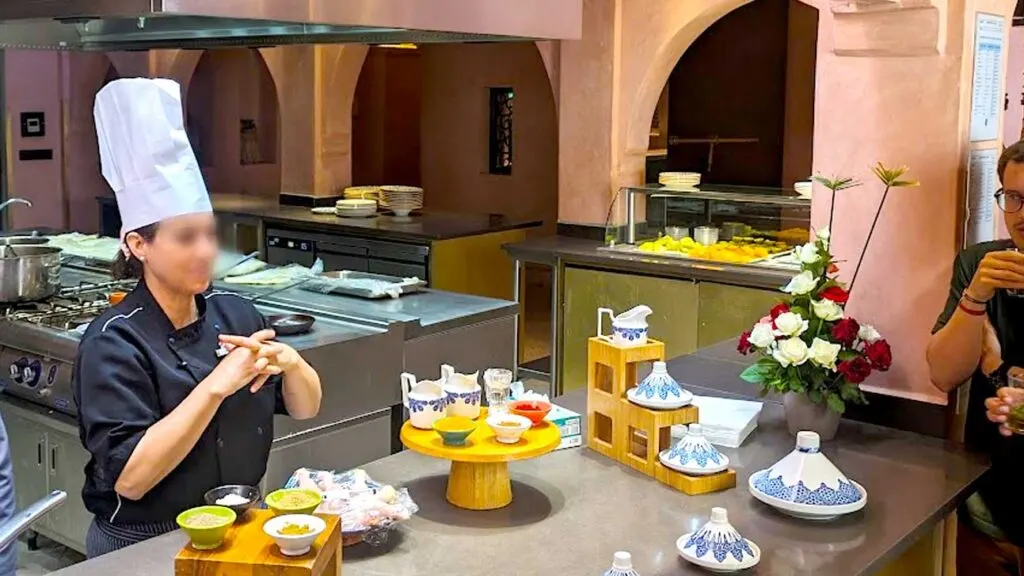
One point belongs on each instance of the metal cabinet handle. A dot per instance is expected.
(39, 453)
(53, 460)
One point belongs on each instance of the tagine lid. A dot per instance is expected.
(718, 545)
(694, 454)
(805, 472)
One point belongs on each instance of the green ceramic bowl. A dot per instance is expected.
(287, 501)
(454, 430)
(206, 526)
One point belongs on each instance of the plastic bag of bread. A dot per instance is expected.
(368, 509)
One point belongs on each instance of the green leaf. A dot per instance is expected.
(754, 374)
(814, 396)
(836, 404)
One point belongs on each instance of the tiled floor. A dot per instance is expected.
(49, 557)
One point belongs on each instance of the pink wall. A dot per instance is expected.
(1013, 119)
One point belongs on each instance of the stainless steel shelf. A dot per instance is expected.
(745, 194)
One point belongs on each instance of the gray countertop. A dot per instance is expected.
(428, 226)
(573, 509)
(551, 249)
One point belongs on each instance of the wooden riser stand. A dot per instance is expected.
(631, 434)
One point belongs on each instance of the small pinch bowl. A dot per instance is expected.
(534, 410)
(294, 545)
(508, 428)
(454, 430)
(250, 493)
(207, 537)
(275, 501)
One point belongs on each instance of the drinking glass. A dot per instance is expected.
(1015, 419)
(497, 382)
(1016, 293)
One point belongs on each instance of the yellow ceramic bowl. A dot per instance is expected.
(206, 526)
(293, 501)
(454, 430)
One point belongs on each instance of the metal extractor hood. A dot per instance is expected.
(146, 24)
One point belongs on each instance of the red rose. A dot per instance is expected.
(855, 370)
(880, 355)
(744, 347)
(780, 308)
(845, 331)
(835, 294)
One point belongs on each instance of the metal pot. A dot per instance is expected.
(731, 230)
(706, 235)
(28, 273)
(23, 240)
(677, 232)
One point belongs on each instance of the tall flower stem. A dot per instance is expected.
(831, 209)
(867, 243)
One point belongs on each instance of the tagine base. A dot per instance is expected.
(478, 478)
(618, 429)
(695, 485)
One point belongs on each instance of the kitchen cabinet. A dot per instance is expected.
(46, 459)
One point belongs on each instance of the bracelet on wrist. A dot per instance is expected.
(970, 311)
(970, 298)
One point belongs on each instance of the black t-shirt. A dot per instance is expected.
(1000, 488)
(134, 368)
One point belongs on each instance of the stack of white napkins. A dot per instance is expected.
(725, 422)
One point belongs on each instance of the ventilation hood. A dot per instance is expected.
(144, 24)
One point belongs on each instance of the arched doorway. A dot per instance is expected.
(738, 107)
(232, 117)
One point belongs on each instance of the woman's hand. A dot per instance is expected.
(282, 358)
(239, 368)
(999, 269)
(997, 409)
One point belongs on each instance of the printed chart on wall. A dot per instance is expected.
(987, 84)
(981, 186)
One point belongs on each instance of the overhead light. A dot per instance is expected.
(403, 46)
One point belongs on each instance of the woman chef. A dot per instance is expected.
(176, 386)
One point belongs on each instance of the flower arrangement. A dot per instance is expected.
(807, 343)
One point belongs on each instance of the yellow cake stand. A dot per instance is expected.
(478, 479)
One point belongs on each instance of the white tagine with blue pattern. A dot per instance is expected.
(806, 484)
(718, 547)
(694, 455)
(622, 565)
(659, 391)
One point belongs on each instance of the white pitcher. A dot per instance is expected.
(425, 400)
(463, 392)
(628, 328)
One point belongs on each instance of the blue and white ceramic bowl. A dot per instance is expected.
(622, 565)
(694, 455)
(718, 547)
(659, 391)
(806, 484)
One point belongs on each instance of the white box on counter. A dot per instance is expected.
(569, 423)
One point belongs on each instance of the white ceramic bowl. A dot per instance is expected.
(356, 203)
(294, 545)
(694, 455)
(508, 434)
(804, 189)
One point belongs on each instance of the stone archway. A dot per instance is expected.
(639, 103)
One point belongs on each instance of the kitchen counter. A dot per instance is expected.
(550, 250)
(429, 226)
(573, 509)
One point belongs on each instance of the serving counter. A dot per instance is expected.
(573, 509)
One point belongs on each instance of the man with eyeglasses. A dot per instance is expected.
(980, 336)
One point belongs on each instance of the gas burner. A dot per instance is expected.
(72, 308)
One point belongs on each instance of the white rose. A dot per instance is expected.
(791, 352)
(868, 333)
(823, 234)
(790, 324)
(808, 253)
(802, 283)
(827, 310)
(762, 335)
(824, 353)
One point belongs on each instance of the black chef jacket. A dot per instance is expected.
(133, 368)
(1000, 487)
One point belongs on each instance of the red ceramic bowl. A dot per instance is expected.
(535, 410)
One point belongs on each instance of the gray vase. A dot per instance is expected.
(802, 414)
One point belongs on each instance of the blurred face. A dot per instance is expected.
(182, 254)
(1012, 201)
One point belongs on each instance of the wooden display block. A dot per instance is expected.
(248, 551)
(631, 434)
(694, 485)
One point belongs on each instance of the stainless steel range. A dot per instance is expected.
(39, 340)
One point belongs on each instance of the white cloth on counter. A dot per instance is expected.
(145, 153)
(724, 421)
(278, 276)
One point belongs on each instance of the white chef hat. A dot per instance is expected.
(145, 153)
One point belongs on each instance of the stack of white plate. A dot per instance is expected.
(402, 200)
(362, 193)
(355, 208)
(679, 179)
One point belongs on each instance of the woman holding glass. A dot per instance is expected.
(979, 336)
